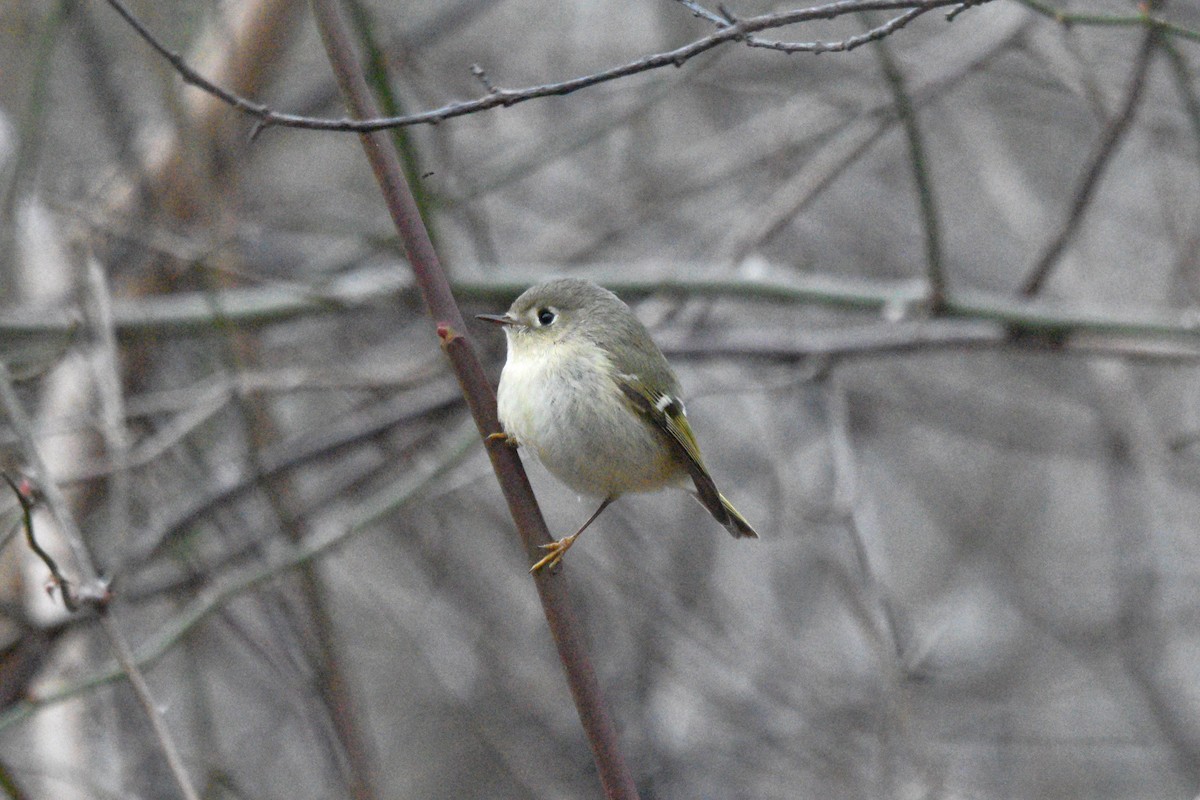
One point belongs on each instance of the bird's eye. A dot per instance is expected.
(545, 316)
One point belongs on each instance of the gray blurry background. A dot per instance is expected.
(977, 576)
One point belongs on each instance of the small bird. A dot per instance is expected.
(587, 390)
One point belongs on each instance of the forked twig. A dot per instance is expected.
(24, 493)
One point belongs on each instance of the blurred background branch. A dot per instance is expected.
(183, 314)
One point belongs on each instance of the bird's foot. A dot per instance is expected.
(555, 552)
(502, 438)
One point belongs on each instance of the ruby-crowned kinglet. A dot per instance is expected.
(587, 390)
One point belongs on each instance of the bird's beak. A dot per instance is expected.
(497, 319)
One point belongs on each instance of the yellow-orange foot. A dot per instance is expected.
(501, 438)
(556, 550)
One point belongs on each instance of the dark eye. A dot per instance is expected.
(545, 316)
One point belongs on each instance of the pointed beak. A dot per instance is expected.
(497, 319)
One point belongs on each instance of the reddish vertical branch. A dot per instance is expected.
(435, 290)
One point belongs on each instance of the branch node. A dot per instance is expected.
(961, 7)
(482, 77)
(260, 125)
(446, 333)
(97, 594)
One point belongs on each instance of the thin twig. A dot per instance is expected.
(106, 364)
(1106, 148)
(92, 589)
(354, 765)
(925, 335)
(1141, 505)
(1144, 19)
(844, 144)
(848, 504)
(24, 495)
(703, 13)
(211, 600)
(1185, 85)
(40, 473)
(845, 45)
(125, 659)
(18, 174)
(953, 13)
(905, 111)
(193, 406)
(289, 454)
(819, 171)
(503, 98)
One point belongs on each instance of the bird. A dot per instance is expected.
(588, 392)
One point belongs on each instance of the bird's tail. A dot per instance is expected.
(719, 506)
(734, 522)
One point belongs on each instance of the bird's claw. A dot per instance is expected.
(501, 437)
(556, 551)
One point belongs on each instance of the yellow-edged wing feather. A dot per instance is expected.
(666, 413)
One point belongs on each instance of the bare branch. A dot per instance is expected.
(615, 777)
(288, 455)
(40, 474)
(186, 312)
(850, 139)
(906, 113)
(141, 689)
(1142, 19)
(93, 590)
(929, 335)
(24, 492)
(1110, 140)
(732, 31)
(845, 45)
(245, 580)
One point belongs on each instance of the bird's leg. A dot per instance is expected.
(558, 549)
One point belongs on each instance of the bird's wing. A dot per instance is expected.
(667, 414)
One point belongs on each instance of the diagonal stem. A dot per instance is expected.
(615, 777)
(906, 113)
(1110, 140)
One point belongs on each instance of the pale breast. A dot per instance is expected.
(564, 407)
